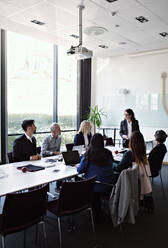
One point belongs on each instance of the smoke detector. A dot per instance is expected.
(95, 30)
(79, 51)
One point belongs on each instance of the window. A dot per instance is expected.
(67, 94)
(29, 84)
(30, 64)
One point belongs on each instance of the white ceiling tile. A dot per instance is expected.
(53, 17)
(22, 3)
(7, 9)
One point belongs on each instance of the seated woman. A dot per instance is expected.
(157, 154)
(97, 161)
(137, 154)
(84, 135)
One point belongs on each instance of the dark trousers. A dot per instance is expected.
(125, 143)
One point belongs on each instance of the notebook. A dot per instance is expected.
(31, 167)
(71, 157)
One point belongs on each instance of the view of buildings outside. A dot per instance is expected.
(30, 87)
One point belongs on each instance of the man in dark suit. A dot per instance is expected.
(127, 126)
(24, 147)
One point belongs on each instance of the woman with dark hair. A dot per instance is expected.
(127, 126)
(137, 154)
(157, 154)
(97, 161)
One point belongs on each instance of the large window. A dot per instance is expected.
(67, 94)
(30, 64)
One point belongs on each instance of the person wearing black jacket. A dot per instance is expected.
(157, 154)
(127, 126)
(24, 147)
(83, 137)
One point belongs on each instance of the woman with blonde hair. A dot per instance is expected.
(84, 135)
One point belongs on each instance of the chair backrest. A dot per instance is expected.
(22, 209)
(75, 195)
(38, 149)
(10, 157)
(156, 164)
(109, 141)
(69, 146)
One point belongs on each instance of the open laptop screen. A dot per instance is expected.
(71, 157)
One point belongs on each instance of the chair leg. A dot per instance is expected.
(59, 228)
(24, 239)
(36, 234)
(45, 234)
(162, 182)
(3, 241)
(92, 221)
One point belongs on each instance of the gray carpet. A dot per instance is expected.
(150, 230)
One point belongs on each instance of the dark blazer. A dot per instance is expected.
(125, 162)
(124, 130)
(103, 173)
(156, 157)
(79, 139)
(23, 148)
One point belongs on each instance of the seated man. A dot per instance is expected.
(51, 144)
(24, 147)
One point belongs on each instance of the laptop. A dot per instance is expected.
(69, 146)
(71, 157)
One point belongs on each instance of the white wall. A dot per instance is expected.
(142, 76)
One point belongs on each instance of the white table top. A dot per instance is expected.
(118, 157)
(12, 179)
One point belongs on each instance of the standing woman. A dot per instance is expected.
(84, 135)
(127, 126)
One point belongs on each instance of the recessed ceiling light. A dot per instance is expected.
(74, 36)
(95, 30)
(37, 22)
(141, 19)
(114, 13)
(164, 34)
(117, 25)
(103, 46)
(111, 1)
(122, 43)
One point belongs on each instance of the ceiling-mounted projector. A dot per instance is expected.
(79, 51)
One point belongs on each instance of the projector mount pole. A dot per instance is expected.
(81, 7)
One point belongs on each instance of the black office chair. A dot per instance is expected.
(10, 157)
(74, 197)
(109, 141)
(69, 146)
(23, 210)
(156, 168)
(38, 149)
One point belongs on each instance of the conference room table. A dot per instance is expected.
(12, 179)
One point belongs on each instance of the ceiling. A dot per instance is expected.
(123, 33)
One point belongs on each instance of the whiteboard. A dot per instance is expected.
(148, 109)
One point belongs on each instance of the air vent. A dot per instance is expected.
(37, 22)
(111, 1)
(141, 19)
(164, 34)
(122, 43)
(74, 36)
(103, 46)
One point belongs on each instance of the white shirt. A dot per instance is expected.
(28, 137)
(86, 140)
(129, 126)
